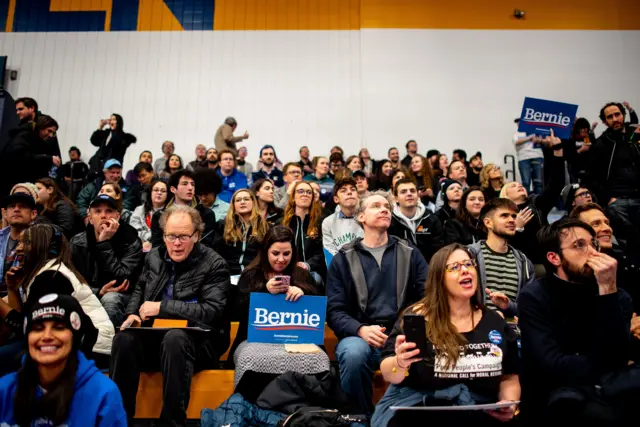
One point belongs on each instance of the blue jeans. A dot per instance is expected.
(358, 363)
(531, 170)
(115, 304)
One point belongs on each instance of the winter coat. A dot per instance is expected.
(457, 232)
(115, 149)
(308, 249)
(237, 412)
(200, 288)
(91, 190)
(90, 305)
(239, 254)
(96, 399)
(119, 258)
(424, 230)
(24, 159)
(207, 238)
(64, 216)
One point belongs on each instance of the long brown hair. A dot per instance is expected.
(315, 211)
(425, 172)
(41, 243)
(56, 196)
(232, 222)
(434, 307)
(117, 190)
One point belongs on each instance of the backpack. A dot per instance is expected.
(314, 416)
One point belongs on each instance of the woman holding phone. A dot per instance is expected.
(274, 270)
(470, 357)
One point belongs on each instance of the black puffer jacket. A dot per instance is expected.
(24, 159)
(64, 216)
(116, 149)
(200, 287)
(119, 258)
(457, 232)
(427, 237)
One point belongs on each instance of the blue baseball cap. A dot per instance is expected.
(111, 163)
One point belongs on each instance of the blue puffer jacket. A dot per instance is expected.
(237, 412)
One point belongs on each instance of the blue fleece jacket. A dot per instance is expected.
(232, 183)
(96, 400)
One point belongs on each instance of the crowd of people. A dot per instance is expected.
(539, 316)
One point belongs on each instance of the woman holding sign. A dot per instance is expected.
(447, 350)
(275, 270)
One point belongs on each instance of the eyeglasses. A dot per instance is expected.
(184, 238)
(294, 172)
(456, 267)
(582, 245)
(243, 199)
(302, 192)
(583, 194)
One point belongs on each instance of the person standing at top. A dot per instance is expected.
(27, 111)
(530, 159)
(224, 138)
(112, 143)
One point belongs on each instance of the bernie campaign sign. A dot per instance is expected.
(539, 116)
(273, 320)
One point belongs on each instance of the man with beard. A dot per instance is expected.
(474, 169)
(27, 111)
(394, 157)
(268, 169)
(628, 261)
(575, 334)
(211, 162)
(503, 271)
(412, 150)
(19, 211)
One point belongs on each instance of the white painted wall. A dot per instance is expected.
(374, 88)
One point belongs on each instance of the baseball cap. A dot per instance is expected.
(111, 163)
(359, 172)
(104, 199)
(18, 197)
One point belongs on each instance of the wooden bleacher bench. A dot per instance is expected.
(212, 387)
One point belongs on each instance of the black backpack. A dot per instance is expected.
(313, 416)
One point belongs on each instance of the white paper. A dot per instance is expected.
(235, 279)
(483, 407)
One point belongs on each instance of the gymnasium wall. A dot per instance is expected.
(354, 73)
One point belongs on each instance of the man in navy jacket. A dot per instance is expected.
(370, 281)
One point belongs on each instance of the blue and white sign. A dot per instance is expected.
(539, 116)
(273, 320)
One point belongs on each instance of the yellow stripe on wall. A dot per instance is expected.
(498, 14)
(427, 14)
(287, 15)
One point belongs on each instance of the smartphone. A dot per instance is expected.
(415, 331)
(286, 280)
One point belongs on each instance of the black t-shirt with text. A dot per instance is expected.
(491, 351)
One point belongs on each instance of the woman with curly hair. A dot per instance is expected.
(491, 181)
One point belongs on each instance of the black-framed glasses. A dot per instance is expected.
(456, 267)
(184, 238)
(583, 194)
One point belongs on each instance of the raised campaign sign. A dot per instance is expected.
(539, 116)
(273, 320)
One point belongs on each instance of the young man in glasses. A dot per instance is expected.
(575, 333)
(574, 195)
(292, 173)
(183, 187)
(502, 270)
(184, 280)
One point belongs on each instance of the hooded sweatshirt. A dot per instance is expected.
(96, 399)
(423, 230)
(338, 230)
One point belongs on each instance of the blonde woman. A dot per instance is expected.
(491, 181)
(302, 215)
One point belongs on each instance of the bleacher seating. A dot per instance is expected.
(212, 387)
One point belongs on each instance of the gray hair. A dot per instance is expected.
(196, 219)
(364, 202)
